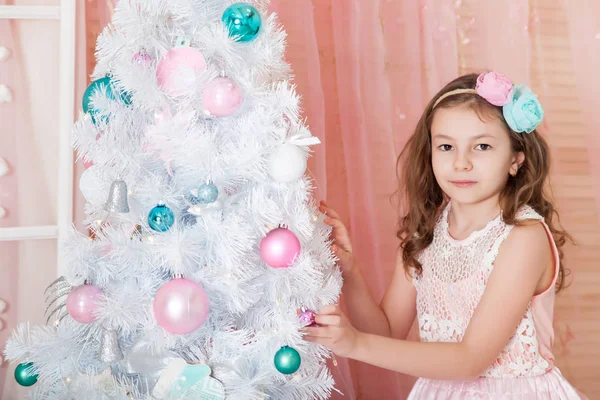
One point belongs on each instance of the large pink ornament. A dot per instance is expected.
(178, 70)
(222, 97)
(82, 303)
(280, 248)
(180, 306)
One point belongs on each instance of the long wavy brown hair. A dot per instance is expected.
(422, 199)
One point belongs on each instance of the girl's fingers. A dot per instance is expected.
(320, 332)
(331, 309)
(340, 252)
(339, 229)
(330, 211)
(322, 341)
(333, 320)
(336, 224)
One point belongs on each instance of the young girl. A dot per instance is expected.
(479, 259)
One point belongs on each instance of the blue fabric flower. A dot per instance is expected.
(523, 113)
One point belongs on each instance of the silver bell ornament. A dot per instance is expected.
(117, 198)
(110, 351)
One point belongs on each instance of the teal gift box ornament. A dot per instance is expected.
(181, 380)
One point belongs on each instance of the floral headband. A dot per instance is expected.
(520, 106)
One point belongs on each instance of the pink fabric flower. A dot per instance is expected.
(495, 88)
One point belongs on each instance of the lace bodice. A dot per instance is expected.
(455, 274)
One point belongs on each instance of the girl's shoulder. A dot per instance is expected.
(531, 233)
(527, 212)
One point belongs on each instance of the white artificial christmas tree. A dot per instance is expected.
(205, 240)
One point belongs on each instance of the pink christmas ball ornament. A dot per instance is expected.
(180, 306)
(307, 318)
(178, 70)
(280, 248)
(142, 59)
(222, 97)
(82, 303)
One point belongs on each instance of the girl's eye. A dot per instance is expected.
(445, 147)
(483, 147)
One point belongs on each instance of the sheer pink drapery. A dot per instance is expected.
(366, 68)
(584, 25)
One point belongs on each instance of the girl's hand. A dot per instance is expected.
(334, 331)
(342, 246)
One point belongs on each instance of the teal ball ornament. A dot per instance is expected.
(161, 218)
(287, 360)
(242, 21)
(105, 86)
(24, 374)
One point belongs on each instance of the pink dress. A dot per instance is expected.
(455, 273)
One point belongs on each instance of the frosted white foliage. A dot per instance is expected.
(164, 147)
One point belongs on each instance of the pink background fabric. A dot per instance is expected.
(365, 70)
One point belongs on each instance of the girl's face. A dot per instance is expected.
(472, 159)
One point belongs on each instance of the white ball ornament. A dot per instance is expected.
(288, 164)
(94, 185)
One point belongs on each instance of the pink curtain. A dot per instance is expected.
(584, 25)
(366, 68)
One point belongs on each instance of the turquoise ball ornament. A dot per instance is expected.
(102, 85)
(208, 193)
(24, 374)
(242, 21)
(161, 218)
(287, 360)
